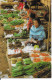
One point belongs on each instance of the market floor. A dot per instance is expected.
(3, 59)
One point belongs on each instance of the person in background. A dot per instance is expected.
(30, 22)
(26, 8)
(37, 33)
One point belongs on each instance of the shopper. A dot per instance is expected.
(37, 33)
(26, 8)
(30, 22)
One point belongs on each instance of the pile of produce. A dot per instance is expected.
(1, 17)
(29, 68)
(17, 22)
(5, 21)
(18, 69)
(15, 60)
(17, 34)
(44, 73)
(17, 43)
(11, 15)
(3, 11)
(16, 11)
(23, 34)
(27, 61)
(8, 27)
(37, 56)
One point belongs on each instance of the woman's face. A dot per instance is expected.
(36, 24)
(25, 9)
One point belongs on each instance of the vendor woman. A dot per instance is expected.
(37, 33)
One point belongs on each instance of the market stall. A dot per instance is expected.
(25, 61)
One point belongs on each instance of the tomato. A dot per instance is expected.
(34, 55)
(36, 60)
(44, 54)
(47, 59)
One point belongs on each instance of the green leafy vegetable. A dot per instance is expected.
(17, 22)
(8, 27)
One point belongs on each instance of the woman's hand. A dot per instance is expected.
(34, 41)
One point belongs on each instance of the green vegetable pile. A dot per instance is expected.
(18, 69)
(1, 17)
(8, 27)
(5, 21)
(3, 11)
(29, 68)
(11, 15)
(16, 11)
(23, 34)
(17, 22)
(27, 61)
(10, 40)
(17, 34)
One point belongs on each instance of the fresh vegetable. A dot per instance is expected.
(27, 67)
(1, 17)
(19, 63)
(3, 11)
(27, 61)
(24, 33)
(5, 21)
(14, 60)
(8, 27)
(35, 55)
(47, 59)
(44, 54)
(42, 72)
(17, 34)
(18, 73)
(19, 59)
(10, 40)
(41, 65)
(36, 60)
(17, 22)
(36, 46)
(11, 15)
(30, 69)
(19, 68)
(16, 11)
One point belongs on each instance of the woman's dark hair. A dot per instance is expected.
(26, 7)
(21, 0)
(38, 20)
(32, 16)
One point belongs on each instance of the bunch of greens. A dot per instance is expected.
(24, 33)
(3, 11)
(11, 15)
(29, 68)
(1, 17)
(17, 34)
(16, 11)
(17, 22)
(10, 40)
(27, 61)
(8, 27)
(18, 69)
(5, 21)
